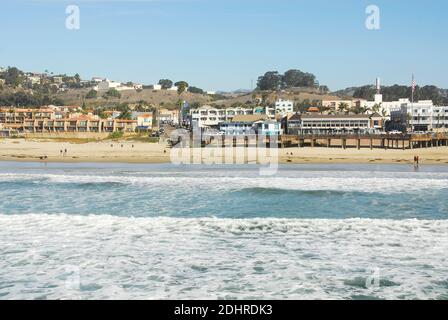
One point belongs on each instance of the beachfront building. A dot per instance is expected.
(420, 116)
(242, 124)
(341, 123)
(268, 128)
(440, 118)
(144, 121)
(49, 120)
(292, 124)
(334, 105)
(207, 116)
(166, 116)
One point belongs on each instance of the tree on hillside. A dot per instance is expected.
(112, 93)
(324, 89)
(271, 80)
(297, 78)
(182, 86)
(195, 105)
(195, 90)
(166, 83)
(92, 94)
(13, 77)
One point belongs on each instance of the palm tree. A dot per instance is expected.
(181, 88)
(343, 107)
(376, 107)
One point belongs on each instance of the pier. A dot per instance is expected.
(344, 141)
(383, 141)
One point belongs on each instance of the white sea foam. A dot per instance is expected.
(43, 256)
(350, 182)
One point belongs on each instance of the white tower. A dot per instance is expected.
(378, 96)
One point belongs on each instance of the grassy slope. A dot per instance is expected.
(170, 98)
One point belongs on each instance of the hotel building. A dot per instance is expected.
(350, 123)
(46, 120)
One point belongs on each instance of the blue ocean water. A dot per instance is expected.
(112, 231)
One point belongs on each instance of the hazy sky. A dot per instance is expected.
(224, 44)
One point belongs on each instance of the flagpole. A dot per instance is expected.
(412, 100)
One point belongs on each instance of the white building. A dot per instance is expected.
(33, 80)
(284, 107)
(421, 115)
(341, 123)
(269, 128)
(207, 116)
(107, 85)
(385, 107)
(270, 112)
(97, 79)
(440, 118)
(144, 121)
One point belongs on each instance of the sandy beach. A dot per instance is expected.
(140, 152)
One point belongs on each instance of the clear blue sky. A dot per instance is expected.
(223, 44)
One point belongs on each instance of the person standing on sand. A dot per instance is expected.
(65, 152)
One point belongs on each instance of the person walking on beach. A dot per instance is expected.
(65, 152)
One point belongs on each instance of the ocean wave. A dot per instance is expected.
(196, 258)
(394, 184)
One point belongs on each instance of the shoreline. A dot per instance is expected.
(20, 150)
